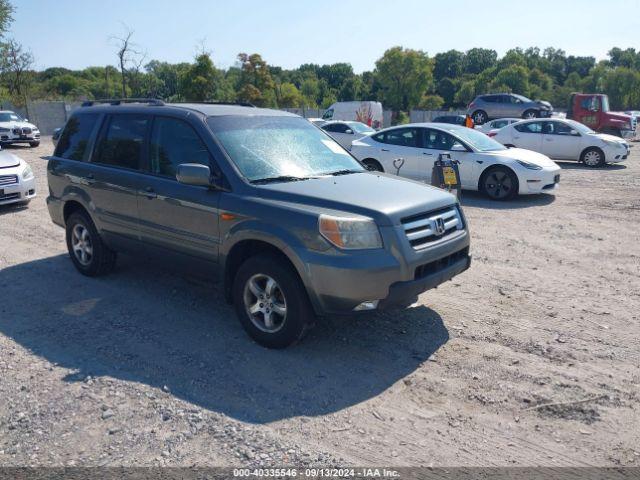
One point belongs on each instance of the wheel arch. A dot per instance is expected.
(592, 147)
(250, 245)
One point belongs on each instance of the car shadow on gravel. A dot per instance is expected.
(174, 331)
(479, 200)
(582, 166)
(12, 208)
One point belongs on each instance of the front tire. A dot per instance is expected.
(479, 117)
(530, 114)
(89, 254)
(271, 301)
(593, 157)
(499, 183)
(372, 165)
(34, 144)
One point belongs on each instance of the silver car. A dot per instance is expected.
(506, 105)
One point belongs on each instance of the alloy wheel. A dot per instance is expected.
(265, 303)
(81, 244)
(498, 185)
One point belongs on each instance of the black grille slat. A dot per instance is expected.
(440, 264)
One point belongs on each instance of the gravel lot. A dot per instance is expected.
(149, 366)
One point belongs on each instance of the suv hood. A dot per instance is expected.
(526, 156)
(383, 197)
(18, 124)
(8, 160)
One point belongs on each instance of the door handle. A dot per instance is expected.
(549, 139)
(428, 154)
(90, 179)
(384, 150)
(149, 193)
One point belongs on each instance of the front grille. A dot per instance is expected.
(440, 264)
(26, 131)
(9, 196)
(427, 228)
(8, 180)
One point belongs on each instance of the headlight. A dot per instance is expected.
(528, 165)
(350, 232)
(27, 173)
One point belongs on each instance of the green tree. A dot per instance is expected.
(289, 96)
(514, 77)
(479, 59)
(431, 102)
(448, 64)
(404, 77)
(201, 80)
(256, 84)
(6, 16)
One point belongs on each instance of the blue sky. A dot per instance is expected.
(75, 33)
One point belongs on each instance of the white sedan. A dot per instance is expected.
(493, 126)
(17, 182)
(563, 139)
(345, 132)
(484, 164)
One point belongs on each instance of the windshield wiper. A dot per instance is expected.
(343, 172)
(280, 178)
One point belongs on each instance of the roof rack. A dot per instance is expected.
(120, 101)
(238, 104)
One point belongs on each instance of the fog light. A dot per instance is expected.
(368, 305)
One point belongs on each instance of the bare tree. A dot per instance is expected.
(16, 64)
(128, 53)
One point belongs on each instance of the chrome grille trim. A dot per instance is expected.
(8, 180)
(421, 230)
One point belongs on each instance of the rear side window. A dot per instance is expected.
(75, 137)
(174, 142)
(405, 137)
(121, 141)
(531, 127)
(336, 128)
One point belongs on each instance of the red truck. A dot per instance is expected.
(592, 109)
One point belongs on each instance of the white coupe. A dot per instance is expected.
(563, 139)
(484, 164)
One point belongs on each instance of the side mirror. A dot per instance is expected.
(457, 147)
(26, 119)
(194, 174)
(574, 133)
(348, 131)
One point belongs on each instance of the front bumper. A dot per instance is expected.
(616, 154)
(22, 191)
(538, 181)
(338, 283)
(10, 137)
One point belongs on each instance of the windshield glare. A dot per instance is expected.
(360, 127)
(478, 140)
(522, 98)
(580, 127)
(266, 147)
(9, 117)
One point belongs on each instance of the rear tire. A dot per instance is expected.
(89, 254)
(499, 183)
(373, 165)
(593, 157)
(271, 302)
(479, 117)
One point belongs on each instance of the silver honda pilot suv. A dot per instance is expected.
(294, 226)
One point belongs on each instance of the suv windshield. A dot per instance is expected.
(280, 148)
(477, 140)
(9, 117)
(521, 98)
